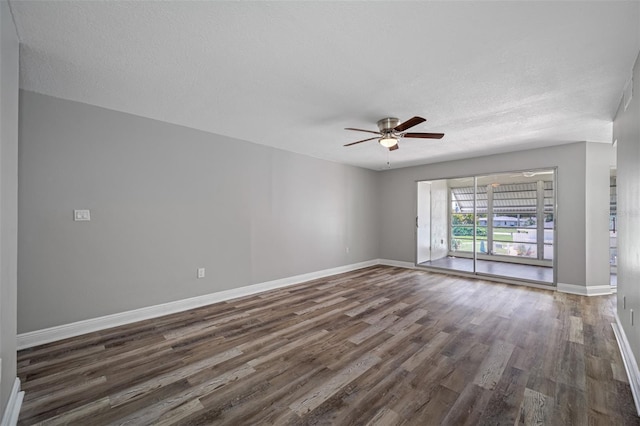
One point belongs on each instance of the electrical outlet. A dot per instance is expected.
(81, 215)
(347, 249)
(200, 272)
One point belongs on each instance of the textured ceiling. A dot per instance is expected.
(493, 76)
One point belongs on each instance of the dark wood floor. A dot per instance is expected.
(378, 346)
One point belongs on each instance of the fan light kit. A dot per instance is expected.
(390, 130)
(388, 141)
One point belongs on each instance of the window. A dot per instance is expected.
(521, 216)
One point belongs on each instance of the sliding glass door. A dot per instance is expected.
(501, 225)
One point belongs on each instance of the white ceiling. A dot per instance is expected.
(493, 76)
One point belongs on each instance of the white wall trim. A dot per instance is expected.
(629, 361)
(397, 263)
(52, 334)
(593, 290)
(12, 410)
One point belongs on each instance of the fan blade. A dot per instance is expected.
(409, 124)
(424, 135)
(362, 130)
(364, 140)
(393, 148)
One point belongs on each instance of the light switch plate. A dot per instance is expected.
(81, 215)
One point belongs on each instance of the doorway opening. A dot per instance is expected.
(613, 228)
(496, 225)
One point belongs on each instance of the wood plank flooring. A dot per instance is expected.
(377, 346)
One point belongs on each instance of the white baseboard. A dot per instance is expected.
(397, 263)
(12, 410)
(594, 290)
(40, 337)
(52, 334)
(629, 361)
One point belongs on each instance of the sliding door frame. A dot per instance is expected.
(539, 228)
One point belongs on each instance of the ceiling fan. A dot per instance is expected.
(390, 130)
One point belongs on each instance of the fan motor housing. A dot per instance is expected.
(386, 125)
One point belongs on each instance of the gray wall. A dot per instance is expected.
(600, 159)
(8, 198)
(164, 201)
(627, 132)
(397, 203)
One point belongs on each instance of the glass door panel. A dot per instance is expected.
(502, 225)
(451, 224)
(514, 225)
(613, 228)
(481, 233)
